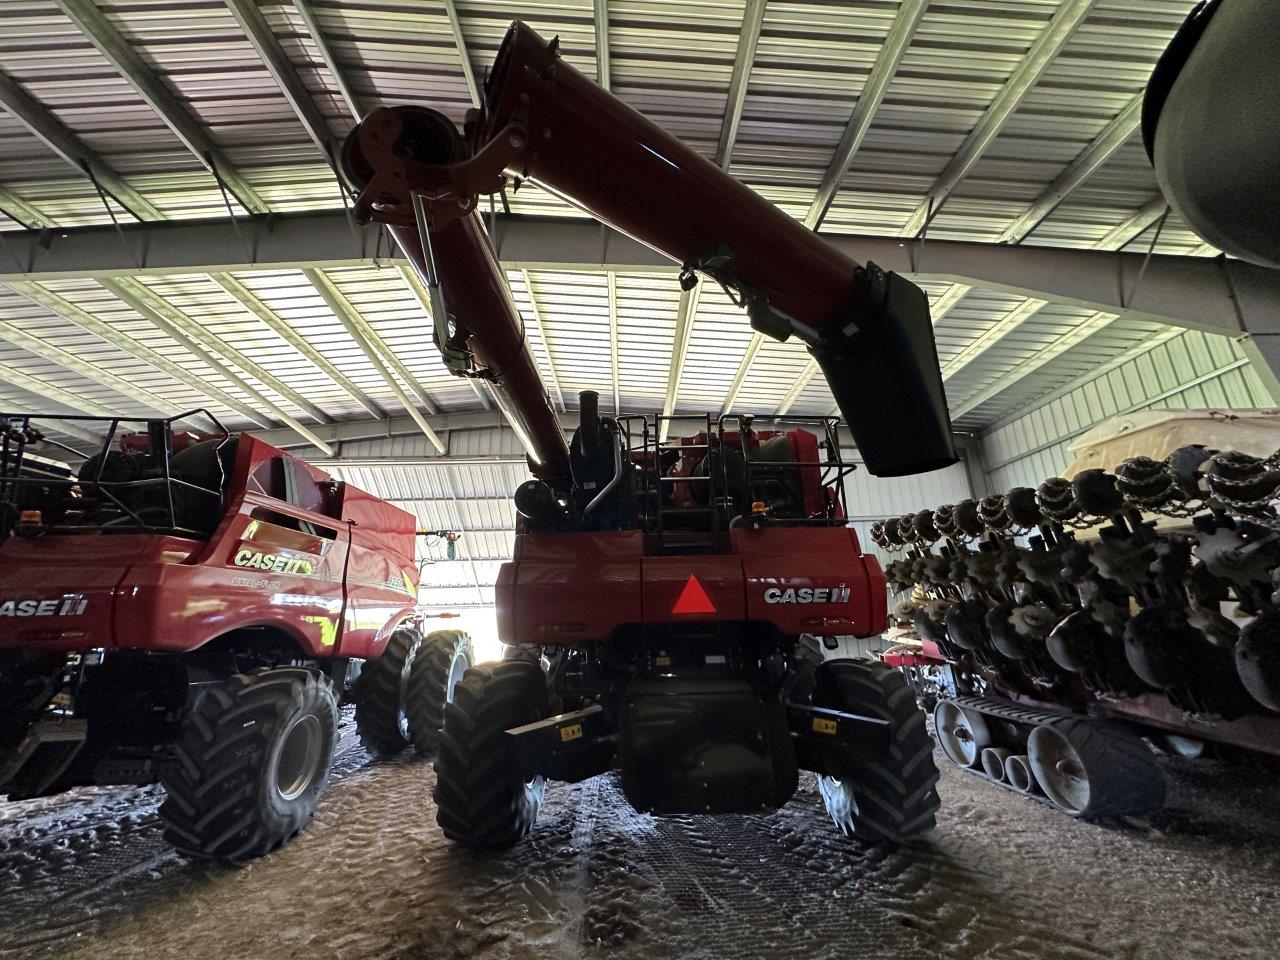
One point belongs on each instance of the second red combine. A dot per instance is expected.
(666, 600)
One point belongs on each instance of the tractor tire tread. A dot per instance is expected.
(377, 695)
(213, 808)
(895, 795)
(427, 693)
(481, 796)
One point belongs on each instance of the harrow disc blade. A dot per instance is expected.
(1076, 642)
(967, 625)
(1004, 636)
(1258, 658)
(1148, 646)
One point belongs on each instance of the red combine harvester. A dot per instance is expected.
(665, 597)
(193, 609)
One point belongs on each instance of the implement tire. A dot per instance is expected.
(893, 797)
(250, 763)
(483, 800)
(382, 720)
(443, 657)
(1094, 769)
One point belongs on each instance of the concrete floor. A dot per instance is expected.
(87, 875)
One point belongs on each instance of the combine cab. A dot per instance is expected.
(193, 609)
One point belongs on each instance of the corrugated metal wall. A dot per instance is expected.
(1189, 370)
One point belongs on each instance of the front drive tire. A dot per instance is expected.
(381, 718)
(483, 800)
(893, 797)
(443, 657)
(250, 763)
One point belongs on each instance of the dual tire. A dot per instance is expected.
(250, 763)
(252, 757)
(401, 696)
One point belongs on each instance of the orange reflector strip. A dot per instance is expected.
(693, 599)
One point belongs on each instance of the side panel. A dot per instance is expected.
(381, 573)
(256, 572)
(879, 589)
(56, 592)
(811, 580)
(571, 587)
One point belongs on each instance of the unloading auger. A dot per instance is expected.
(543, 121)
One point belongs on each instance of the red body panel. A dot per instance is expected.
(842, 583)
(719, 577)
(336, 576)
(569, 587)
(566, 588)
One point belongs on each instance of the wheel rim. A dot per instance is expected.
(300, 750)
(993, 766)
(1059, 770)
(1017, 773)
(456, 669)
(839, 799)
(402, 716)
(961, 734)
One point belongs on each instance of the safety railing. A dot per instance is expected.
(80, 473)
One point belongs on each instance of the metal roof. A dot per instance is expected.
(998, 122)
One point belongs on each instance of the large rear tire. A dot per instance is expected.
(443, 658)
(250, 763)
(382, 720)
(892, 797)
(483, 799)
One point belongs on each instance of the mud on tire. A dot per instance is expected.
(381, 718)
(482, 798)
(893, 797)
(443, 657)
(250, 763)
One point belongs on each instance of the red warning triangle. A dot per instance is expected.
(693, 599)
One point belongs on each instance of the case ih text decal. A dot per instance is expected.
(808, 595)
(71, 605)
(275, 562)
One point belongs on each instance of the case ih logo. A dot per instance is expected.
(274, 562)
(71, 605)
(808, 595)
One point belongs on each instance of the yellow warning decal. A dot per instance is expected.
(409, 586)
(821, 725)
(328, 629)
(572, 732)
